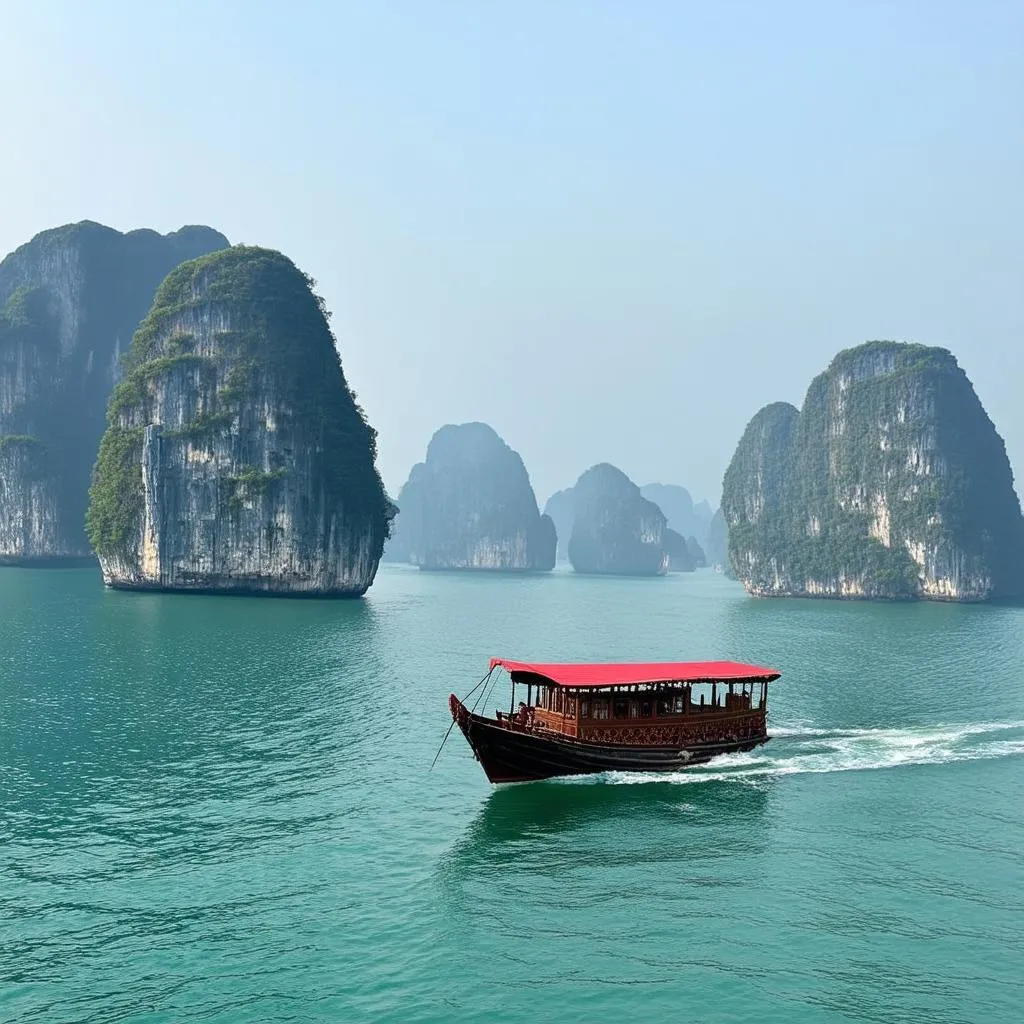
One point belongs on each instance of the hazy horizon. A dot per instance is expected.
(613, 232)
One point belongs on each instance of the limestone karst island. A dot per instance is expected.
(890, 482)
(235, 458)
(470, 505)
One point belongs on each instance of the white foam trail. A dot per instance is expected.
(809, 750)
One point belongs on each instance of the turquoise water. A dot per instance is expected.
(219, 809)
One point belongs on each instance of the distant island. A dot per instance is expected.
(235, 459)
(680, 553)
(559, 509)
(615, 529)
(685, 521)
(694, 521)
(470, 506)
(684, 515)
(891, 482)
(70, 300)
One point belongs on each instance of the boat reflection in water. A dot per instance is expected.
(582, 719)
(530, 838)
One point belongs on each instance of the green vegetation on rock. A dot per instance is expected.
(115, 506)
(890, 482)
(19, 441)
(236, 370)
(250, 485)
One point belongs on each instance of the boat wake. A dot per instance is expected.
(807, 750)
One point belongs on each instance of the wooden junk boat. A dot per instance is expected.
(581, 719)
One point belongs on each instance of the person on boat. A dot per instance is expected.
(524, 713)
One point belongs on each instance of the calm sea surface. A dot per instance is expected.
(220, 809)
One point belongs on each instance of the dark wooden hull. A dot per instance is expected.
(516, 755)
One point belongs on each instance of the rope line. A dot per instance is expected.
(452, 726)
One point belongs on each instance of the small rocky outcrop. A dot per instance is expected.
(470, 505)
(70, 300)
(680, 558)
(691, 520)
(615, 529)
(683, 515)
(235, 458)
(891, 482)
(700, 560)
(559, 509)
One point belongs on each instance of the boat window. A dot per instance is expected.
(634, 709)
(584, 709)
(570, 706)
(621, 708)
(645, 709)
(600, 708)
(664, 706)
(679, 703)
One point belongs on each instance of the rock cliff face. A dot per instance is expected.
(470, 506)
(70, 300)
(615, 529)
(235, 458)
(891, 482)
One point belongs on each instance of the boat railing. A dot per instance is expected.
(535, 719)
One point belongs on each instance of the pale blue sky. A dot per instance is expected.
(613, 230)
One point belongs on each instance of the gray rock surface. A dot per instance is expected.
(236, 459)
(70, 300)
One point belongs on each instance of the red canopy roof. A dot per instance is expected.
(624, 675)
